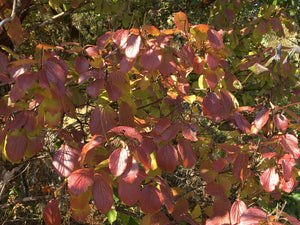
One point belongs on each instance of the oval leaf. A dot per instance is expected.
(118, 161)
(16, 146)
(242, 123)
(269, 179)
(133, 46)
(131, 172)
(120, 38)
(189, 131)
(80, 180)
(253, 216)
(289, 143)
(130, 193)
(64, 160)
(237, 208)
(81, 64)
(150, 59)
(181, 21)
(187, 153)
(280, 122)
(261, 118)
(167, 158)
(128, 132)
(215, 39)
(171, 132)
(150, 201)
(51, 213)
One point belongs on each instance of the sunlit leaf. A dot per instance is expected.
(118, 161)
(221, 212)
(253, 216)
(215, 39)
(269, 179)
(212, 61)
(129, 132)
(130, 192)
(166, 194)
(132, 171)
(280, 122)
(290, 144)
(80, 180)
(237, 208)
(51, 213)
(103, 194)
(133, 46)
(120, 38)
(239, 168)
(242, 123)
(171, 132)
(181, 21)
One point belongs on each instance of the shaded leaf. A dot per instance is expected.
(26, 79)
(241, 123)
(168, 64)
(150, 200)
(289, 143)
(239, 168)
(118, 161)
(171, 132)
(263, 27)
(103, 194)
(162, 125)
(95, 141)
(130, 193)
(104, 39)
(120, 38)
(258, 68)
(80, 180)
(148, 145)
(3, 63)
(126, 116)
(167, 157)
(269, 179)
(64, 160)
(189, 131)
(198, 65)
(81, 64)
(16, 146)
(166, 194)
(219, 164)
(181, 208)
(215, 39)
(212, 61)
(187, 153)
(187, 55)
(215, 189)
(51, 213)
(114, 92)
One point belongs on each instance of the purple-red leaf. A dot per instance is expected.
(64, 160)
(219, 164)
(189, 131)
(289, 143)
(168, 64)
(162, 125)
(132, 171)
(253, 216)
(80, 180)
(221, 213)
(215, 189)
(212, 106)
(269, 179)
(3, 63)
(148, 145)
(113, 91)
(16, 146)
(130, 193)
(280, 122)
(239, 168)
(103, 194)
(93, 89)
(211, 79)
(81, 64)
(93, 143)
(167, 157)
(102, 120)
(150, 200)
(51, 213)
(128, 132)
(187, 153)
(120, 38)
(215, 39)
(288, 186)
(171, 132)
(237, 208)
(242, 123)
(212, 61)
(151, 58)
(133, 46)
(166, 194)
(126, 115)
(118, 161)
(261, 118)
(25, 80)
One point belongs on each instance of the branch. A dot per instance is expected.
(27, 199)
(12, 16)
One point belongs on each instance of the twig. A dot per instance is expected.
(26, 199)
(12, 16)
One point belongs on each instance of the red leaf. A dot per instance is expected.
(189, 131)
(167, 157)
(181, 21)
(81, 64)
(132, 171)
(144, 158)
(93, 143)
(215, 189)
(16, 146)
(239, 168)
(253, 216)
(150, 200)
(114, 92)
(211, 79)
(120, 38)
(51, 213)
(287, 163)
(226, 104)
(103, 194)
(118, 161)
(263, 27)
(168, 64)
(280, 122)
(187, 153)
(19, 121)
(242, 123)
(221, 214)
(288, 186)
(148, 145)
(198, 65)
(261, 118)
(80, 180)
(25, 80)
(166, 194)
(215, 39)
(171, 132)
(16, 93)
(64, 160)
(126, 116)
(219, 164)
(276, 24)
(3, 63)
(150, 59)
(162, 125)
(57, 75)
(290, 144)
(126, 64)
(293, 220)
(102, 120)
(187, 55)
(103, 40)
(133, 46)
(269, 179)
(93, 88)
(128, 132)
(180, 209)
(34, 145)
(212, 61)
(130, 193)
(212, 106)
(237, 208)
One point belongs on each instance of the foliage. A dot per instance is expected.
(133, 110)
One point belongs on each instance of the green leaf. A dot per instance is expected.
(112, 215)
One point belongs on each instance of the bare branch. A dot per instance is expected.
(12, 16)
(26, 199)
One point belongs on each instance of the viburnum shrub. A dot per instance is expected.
(148, 91)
